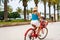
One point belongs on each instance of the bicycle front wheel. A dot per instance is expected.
(28, 34)
(43, 33)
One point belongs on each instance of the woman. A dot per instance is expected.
(35, 18)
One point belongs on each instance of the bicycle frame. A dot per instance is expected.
(41, 27)
(28, 30)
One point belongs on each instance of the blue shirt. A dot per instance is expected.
(35, 17)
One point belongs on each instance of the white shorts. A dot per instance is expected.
(35, 22)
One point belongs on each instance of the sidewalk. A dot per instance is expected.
(15, 24)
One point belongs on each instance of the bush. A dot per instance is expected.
(14, 15)
(1, 15)
(10, 15)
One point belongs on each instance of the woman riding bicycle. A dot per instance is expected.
(32, 33)
(35, 18)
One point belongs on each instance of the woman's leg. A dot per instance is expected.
(38, 30)
(34, 26)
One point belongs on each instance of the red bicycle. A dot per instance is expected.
(32, 34)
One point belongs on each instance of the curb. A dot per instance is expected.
(15, 24)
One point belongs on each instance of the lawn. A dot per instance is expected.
(10, 22)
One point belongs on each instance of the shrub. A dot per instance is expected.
(1, 15)
(14, 15)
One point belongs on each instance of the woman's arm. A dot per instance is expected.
(39, 16)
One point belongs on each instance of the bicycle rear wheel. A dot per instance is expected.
(28, 34)
(43, 33)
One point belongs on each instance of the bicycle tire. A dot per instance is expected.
(26, 34)
(45, 34)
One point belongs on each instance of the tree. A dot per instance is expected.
(58, 8)
(44, 1)
(9, 9)
(29, 11)
(18, 10)
(1, 9)
(54, 3)
(36, 2)
(49, 5)
(25, 5)
(5, 9)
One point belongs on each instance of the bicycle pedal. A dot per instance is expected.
(34, 35)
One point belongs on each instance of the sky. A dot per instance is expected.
(15, 3)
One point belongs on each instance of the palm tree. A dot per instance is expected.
(49, 4)
(44, 1)
(28, 11)
(31, 10)
(25, 5)
(58, 9)
(1, 8)
(36, 2)
(18, 10)
(5, 9)
(9, 9)
(54, 2)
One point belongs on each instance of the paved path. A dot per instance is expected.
(17, 32)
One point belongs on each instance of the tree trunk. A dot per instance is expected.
(49, 12)
(54, 14)
(45, 9)
(36, 3)
(31, 10)
(25, 5)
(58, 12)
(24, 13)
(5, 11)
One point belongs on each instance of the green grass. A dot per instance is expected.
(19, 20)
(13, 21)
(5, 23)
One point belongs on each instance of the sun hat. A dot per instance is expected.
(35, 8)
